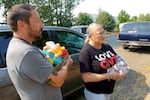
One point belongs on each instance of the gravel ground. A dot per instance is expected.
(136, 85)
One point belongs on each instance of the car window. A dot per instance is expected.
(84, 30)
(127, 27)
(5, 37)
(72, 42)
(137, 27)
(142, 27)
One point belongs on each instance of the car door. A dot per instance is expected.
(7, 89)
(127, 32)
(73, 42)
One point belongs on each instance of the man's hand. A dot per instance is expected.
(68, 63)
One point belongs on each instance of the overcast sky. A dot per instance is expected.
(132, 7)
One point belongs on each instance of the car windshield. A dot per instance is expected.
(136, 27)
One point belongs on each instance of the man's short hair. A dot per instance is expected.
(19, 12)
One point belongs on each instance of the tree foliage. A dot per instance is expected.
(147, 17)
(6, 4)
(143, 17)
(52, 12)
(106, 20)
(84, 19)
(123, 17)
(133, 19)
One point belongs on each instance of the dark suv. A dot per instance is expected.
(134, 34)
(71, 39)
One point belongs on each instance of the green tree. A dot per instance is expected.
(123, 17)
(143, 17)
(84, 19)
(6, 4)
(133, 19)
(52, 12)
(106, 20)
(147, 17)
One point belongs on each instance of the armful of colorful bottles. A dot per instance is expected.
(56, 54)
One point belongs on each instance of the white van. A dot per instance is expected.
(80, 28)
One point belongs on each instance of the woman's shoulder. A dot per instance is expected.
(107, 45)
(86, 48)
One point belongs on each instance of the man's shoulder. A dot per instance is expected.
(20, 44)
(20, 47)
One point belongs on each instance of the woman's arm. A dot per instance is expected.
(94, 77)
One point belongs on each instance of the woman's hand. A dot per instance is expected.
(115, 76)
(122, 76)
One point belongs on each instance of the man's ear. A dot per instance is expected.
(20, 23)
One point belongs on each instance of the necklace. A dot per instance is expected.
(22, 40)
(39, 50)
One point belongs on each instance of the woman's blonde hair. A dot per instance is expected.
(90, 30)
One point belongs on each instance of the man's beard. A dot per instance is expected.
(36, 37)
(39, 36)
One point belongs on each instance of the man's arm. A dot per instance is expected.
(58, 79)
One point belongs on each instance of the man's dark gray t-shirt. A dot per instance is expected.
(29, 69)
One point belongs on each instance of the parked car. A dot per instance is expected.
(80, 28)
(134, 34)
(71, 39)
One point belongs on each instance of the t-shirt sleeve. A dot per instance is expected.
(84, 60)
(36, 67)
